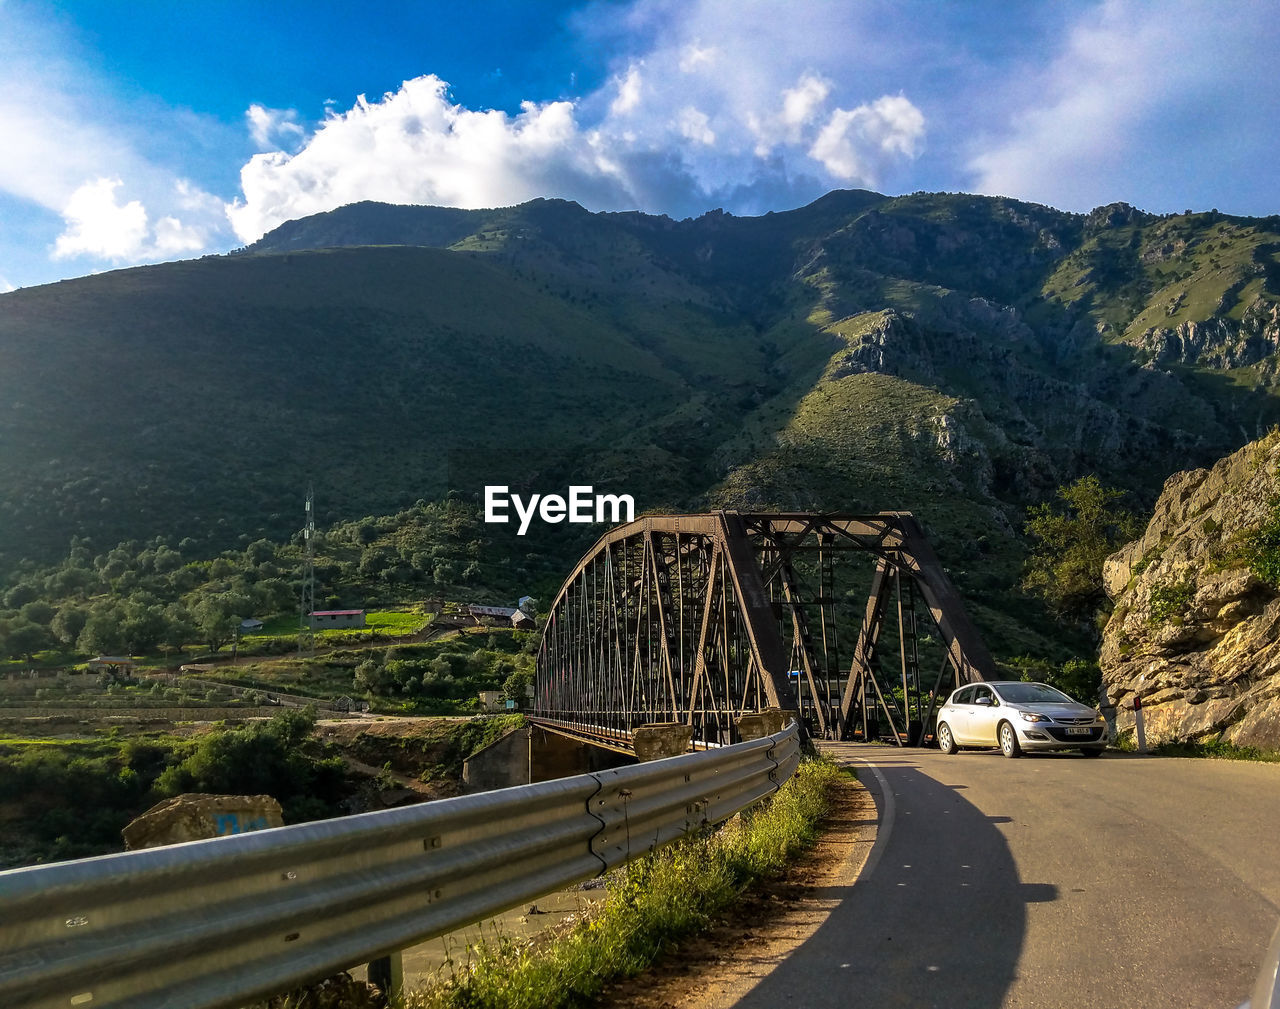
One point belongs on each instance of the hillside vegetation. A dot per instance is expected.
(952, 355)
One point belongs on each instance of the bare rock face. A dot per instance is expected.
(1195, 633)
(1218, 342)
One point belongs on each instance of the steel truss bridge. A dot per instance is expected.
(700, 619)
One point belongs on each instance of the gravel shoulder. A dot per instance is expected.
(716, 969)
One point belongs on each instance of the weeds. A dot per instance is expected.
(1218, 748)
(1169, 602)
(653, 903)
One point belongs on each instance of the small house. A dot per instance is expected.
(111, 663)
(324, 620)
(492, 613)
(251, 625)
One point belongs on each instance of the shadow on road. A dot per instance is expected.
(938, 921)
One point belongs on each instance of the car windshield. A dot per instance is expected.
(1032, 693)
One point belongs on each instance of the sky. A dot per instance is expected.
(148, 131)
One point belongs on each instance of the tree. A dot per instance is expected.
(20, 595)
(179, 627)
(375, 560)
(218, 615)
(72, 580)
(25, 639)
(37, 612)
(258, 552)
(1072, 542)
(67, 624)
(144, 625)
(373, 677)
(516, 686)
(266, 758)
(103, 633)
(166, 560)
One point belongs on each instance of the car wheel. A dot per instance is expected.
(1091, 751)
(946, 741)
(1009, 741)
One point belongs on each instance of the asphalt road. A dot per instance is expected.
(1051, 881)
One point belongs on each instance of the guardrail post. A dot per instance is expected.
(387, 972)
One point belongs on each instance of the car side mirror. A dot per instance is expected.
(983, 700)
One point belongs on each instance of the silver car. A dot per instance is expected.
(1017, 716)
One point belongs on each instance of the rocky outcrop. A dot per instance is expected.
(1114, 215)
(1220, 341)
(1195, 632)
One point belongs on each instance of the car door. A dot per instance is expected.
(958, 714)
(983, 717)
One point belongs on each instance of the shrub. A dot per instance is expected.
(1169, 602)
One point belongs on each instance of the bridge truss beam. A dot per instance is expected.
(703, 618)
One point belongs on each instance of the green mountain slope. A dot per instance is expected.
(954, 355)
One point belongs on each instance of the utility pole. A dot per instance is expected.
(306, 636)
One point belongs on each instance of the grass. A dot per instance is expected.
(396, 622)
(1219, 749)
(392, 622)
(654, 903)
(1185, 268)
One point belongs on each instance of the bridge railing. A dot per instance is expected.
(221, 922)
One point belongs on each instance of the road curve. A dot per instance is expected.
(1052, 881)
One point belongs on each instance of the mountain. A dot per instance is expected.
(1197, 604)
(954, 355)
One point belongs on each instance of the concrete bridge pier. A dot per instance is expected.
(532, 754)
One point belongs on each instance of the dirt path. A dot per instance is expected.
(714, 970)
(403, 780)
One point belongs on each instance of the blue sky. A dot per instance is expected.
(150, 131)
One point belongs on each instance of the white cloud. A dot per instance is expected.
(274, 127)
(694, 125)
(1136, 105)
(695, 56)
(802, 102)
(855, 142)
(5, 286)
(416, 146)
(73, 154)
(628, 93)
(172, 237)
(769, 116)
(98, 226)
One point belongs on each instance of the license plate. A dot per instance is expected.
(1078, 730)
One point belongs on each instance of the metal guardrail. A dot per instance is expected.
(221, 922)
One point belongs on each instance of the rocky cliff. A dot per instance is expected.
(1219, 342)
(1195, 632)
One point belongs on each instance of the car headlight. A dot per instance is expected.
(1029, 716)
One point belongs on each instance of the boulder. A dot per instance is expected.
(194, 816)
